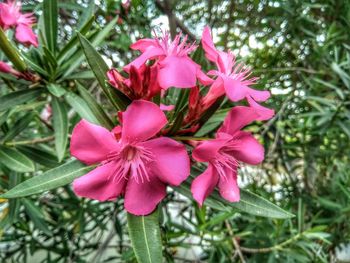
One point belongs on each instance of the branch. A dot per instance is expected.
(176, 20)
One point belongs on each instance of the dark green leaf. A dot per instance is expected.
(50, 22)
(15, 160)
(18, 97)
(51, 179)
(145, 237)
(60, 125)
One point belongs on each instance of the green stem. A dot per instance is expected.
(34, 141)
(11, 52)
(189, 138)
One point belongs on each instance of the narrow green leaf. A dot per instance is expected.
(249, 203)
(51, 179)
(100, 68)
(36, 216)
(14, 204)
(14, 160)
(97, 39)
(60, 125)
(70, 46)
(56, 89)
(81, 107)
(18, 97)
(97, 110)
(18, 126)
(39, 155)
(50, 23)
(145, 237)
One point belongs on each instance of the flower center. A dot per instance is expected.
(131, 161)
(223, 161)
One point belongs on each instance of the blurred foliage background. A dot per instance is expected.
(300, 50)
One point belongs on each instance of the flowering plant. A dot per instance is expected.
(158, 104)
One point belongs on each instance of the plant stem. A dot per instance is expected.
(11, 52)
(27, 142)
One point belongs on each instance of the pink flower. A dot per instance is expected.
(10, 16)
(136, 164)
(232, 79)
(176, 69)
(26, 36)
(223, 155)
(6, 68)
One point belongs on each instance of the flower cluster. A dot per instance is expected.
(144, 154)
(11, 17)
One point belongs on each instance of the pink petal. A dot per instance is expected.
(150, 53)
(171, 162)
(225, 62)
(207, 42)
(164, 107)
(143, 198)
(247, 148)
(177, 71)
(91, 143)
(5, 68)
(25, 35)
(216, 90)
(203, 78)
(234, 88)
(204, 184)
(264, 113)
(141, 121)
(228, 187)
(207, 150)
(237, 118)
(9, 14)
(99, 184)
(143, 44)
(258, 95)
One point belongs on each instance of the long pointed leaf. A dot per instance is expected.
(51, 179)
(60, 125)
(145, 237)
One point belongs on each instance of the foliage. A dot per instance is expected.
(298, 50)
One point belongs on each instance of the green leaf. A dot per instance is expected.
(56, 89)
(70, 46)
(50, 22)
(95, 107)
(18, 126)
(60, 125)
(98, 38)
(81, 107)
(145, 237)
(18, 97)
(14, 160)
(100, 68)
(51, 179)
(36, 216)
(249, 203)
(39, 155)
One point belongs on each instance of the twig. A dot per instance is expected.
(178, 22)
(273, 248)
(234, 241)
(28, 142)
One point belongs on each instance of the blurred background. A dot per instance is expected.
(300, 50)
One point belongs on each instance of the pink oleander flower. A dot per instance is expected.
(232, 79)
(224, 154)
(131, 160)
(176, 68)
(11, 16)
